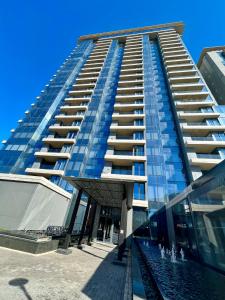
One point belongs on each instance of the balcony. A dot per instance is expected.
(204, 144)
(44, 172)
(182, 73)
(124, 177)
(69, 118)
(193, 104)
(88, 75)
(63, 129)
(202, 129)
(175, 57)
(78, 101)
(58, 142)
(178, 61)
(129, 117)
(83, 86)
(173, 53)
(127, 129)
(187, 87)
(131, 66)
(86, 92)
(197, 116)
(130, 90)
(52, 155)
(190, 95)
(205, 161)
(179, 67)
(184, 80)
(135, 71)
(124, 141)
(73, 108)
(122, 158)
(131, 83)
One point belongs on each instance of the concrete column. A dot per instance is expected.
(111, 233)
(96, 222)
(129, 230)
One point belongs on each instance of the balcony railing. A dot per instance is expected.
(208, 156)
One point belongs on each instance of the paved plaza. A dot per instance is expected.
(90, 273)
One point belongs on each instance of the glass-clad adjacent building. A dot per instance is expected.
(126, 106)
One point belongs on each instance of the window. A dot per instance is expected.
(139, 135)
(126, 170)
(139, 169)
(139, 150)
(139, 191)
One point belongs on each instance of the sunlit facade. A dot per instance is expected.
(125, 105)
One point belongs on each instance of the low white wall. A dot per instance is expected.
(31, 203)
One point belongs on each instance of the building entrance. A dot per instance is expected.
(109, 225)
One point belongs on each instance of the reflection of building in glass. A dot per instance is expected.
(197, 219)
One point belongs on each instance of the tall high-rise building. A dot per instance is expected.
(129, 106)
(212, 67)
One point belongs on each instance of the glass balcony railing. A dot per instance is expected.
(122, 171)
(208, 156)
(204, 138)
(123, 152)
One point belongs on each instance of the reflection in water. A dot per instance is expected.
(184, 280)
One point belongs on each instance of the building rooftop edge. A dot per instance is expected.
(208, 49)
(179, 26)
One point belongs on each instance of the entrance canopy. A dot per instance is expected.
(107, 192)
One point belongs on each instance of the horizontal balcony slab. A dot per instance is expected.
(202, 129)
(190, 95)
(124, 158)
(126, 128)
(187, 87)
(178, 62)
(140, 203)
(179, 67)
(115, 141)
(58, 142)
(64, 129)
(44, 172)
(204, 146)
(204, 163)
(69, 118)
(71, 108)
(80, 92)
(193, 104)
(52, 156)
(124, 177)
(184, 79)
(127, 117)
(182, 73)
(198, 116)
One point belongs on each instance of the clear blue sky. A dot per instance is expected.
(37, 35)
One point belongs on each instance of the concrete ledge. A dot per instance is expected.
(35, 179)
(27, 245)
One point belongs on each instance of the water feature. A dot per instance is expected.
(178, 278)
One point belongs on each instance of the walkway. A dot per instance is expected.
(85, 274)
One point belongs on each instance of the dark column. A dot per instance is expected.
(84, 223)
(92, 221)
(72, 221)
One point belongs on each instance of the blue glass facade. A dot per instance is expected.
(18, 153)
(165, 168)
(91, 144)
